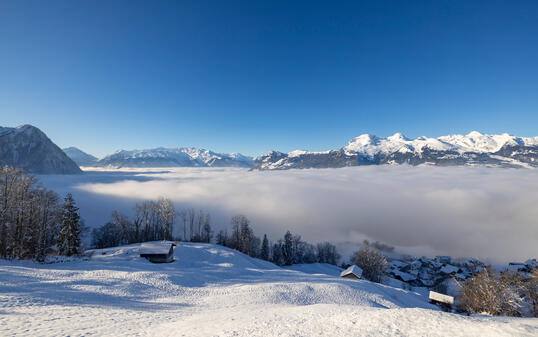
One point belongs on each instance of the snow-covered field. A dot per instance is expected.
(213, 291)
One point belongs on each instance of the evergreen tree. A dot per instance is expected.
(70, 228)
(277, 253)
(265, 248)
(287, 249)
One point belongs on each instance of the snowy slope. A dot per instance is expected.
(28, 148)
(174, 157)
(213, 291)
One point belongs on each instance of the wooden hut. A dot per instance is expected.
(158, 252)
(445, 301)
(354, 272)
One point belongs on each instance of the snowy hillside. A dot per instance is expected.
(175, 157)
(213, 291)
(80, 157)
(28, 148)
(471, 149)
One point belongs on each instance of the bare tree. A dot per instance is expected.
(121, 220)
(531, 289)
(373, 264)
(167, 215)
(192, 215)
(206, 229)
(183, 216)
(485, 292)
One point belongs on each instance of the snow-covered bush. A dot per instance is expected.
(531, 292)
(488, 293)
(373, 264)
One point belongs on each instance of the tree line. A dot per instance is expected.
(154, 220)
(157, 220)
(291, 249)
(33, 221)
(36, 222)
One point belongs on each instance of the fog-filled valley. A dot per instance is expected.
(488, 213)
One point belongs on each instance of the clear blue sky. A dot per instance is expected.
(251, 76)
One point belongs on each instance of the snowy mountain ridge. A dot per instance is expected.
(474, 148)
(173, 157)
(472, 142)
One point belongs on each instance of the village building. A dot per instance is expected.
(443, 259)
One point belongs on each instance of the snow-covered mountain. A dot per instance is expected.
(80, 157)
(175, 157)
(28, 148)
(474, 148)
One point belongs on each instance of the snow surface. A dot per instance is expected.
(213, 291)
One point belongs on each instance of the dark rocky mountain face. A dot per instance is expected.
(28, 148)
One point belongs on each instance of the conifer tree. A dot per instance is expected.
(70, 228)
(287, 249)
(265, 248)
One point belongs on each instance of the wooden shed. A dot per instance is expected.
(158, 252)
(354, 272)
(445, 301)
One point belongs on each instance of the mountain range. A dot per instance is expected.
(472, 149)
(29, 148)
(174, 157)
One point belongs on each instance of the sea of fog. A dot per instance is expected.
(487, 213)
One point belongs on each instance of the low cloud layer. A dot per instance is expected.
(487, 213)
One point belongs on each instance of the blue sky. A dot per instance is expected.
(250, 76)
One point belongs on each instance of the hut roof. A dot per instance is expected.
(356, 270)
(156, 247)
(435, 296)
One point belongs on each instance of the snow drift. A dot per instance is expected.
(211, 290)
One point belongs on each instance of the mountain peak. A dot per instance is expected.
(397, 137)
(30, 149)
(475, 134)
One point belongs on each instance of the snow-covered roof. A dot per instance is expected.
(355, 270)
(156, 247)
(405, 276)
(449, 269)
(441, 297)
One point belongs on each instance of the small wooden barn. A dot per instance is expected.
(354, 272)
(158, 252)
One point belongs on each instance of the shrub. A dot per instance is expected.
(373, 264)
(487, 293)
